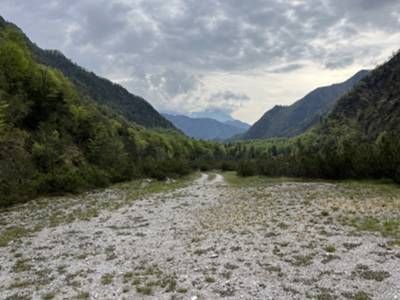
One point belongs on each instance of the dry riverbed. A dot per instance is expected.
(207, 237)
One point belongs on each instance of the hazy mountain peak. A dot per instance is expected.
(207, 128)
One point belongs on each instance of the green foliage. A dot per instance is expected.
(3, 108)
(54, 140)
(58, 141)
(104, 92)
(247, 168)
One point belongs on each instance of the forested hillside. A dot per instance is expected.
(206, 128)
(287, 121)
(104, 92)
(360, 138)
(53, 139)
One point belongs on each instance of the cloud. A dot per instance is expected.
(164, 50)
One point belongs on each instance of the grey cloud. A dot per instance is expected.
(230, 96)
(166, 47)
(287, 68)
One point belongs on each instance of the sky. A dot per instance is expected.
(217, 58)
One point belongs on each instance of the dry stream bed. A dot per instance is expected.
(210, 237)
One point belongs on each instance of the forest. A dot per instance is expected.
(55, 139)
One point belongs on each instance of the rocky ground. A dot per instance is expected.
(210, 238)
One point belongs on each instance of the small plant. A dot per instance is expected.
(330, 248)
(361, 296)
(182, 290)
(107, 278)
(227, 274)
(210, 279)
(302, 260)
(324, 213)
(83, 295)
(145, 290)
(49, 296)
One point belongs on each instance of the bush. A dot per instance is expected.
(246, 168)
(228, 165)
(397, 176)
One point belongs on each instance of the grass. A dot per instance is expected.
(12, 234)
(237, 181)
(227, 274)
(361, 296)
(107, 279)
(364, 272)
(83, 295)
(389, 227)
(22, 265)
(302, 260)
(145, 290)
(209, 279)
(330, 248)
(49, 296)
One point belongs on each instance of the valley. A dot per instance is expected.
(206, 236)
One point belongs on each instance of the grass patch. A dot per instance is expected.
(12, 234)
(209, 279)
(49, 296)
(302, 260)
(386, 227)
(145, 290)
(237, 181)
(83, 295)
(22, 265)
(365, 272)
(107, 279)
(330, 248)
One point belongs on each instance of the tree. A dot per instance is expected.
(3, 108)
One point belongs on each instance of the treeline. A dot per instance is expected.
(343, 153)
(53, 139)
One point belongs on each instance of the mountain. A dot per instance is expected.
(287, 121)
(133, 108)
(55, 139)
(238, 124)
(373, 106)
(206, 128)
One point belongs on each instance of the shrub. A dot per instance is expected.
(246, 168)
(397, 176)
(228, 165)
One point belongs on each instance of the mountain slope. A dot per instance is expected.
(373, 106)
(53, 139)
(133, 108)
(287, 121)
(238, 124)
(205, 128)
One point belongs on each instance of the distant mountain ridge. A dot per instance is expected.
(103, 91)
(207, 128)
(287, 121)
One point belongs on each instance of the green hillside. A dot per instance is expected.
(104, 92)
(360, 138)
(53, 139)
